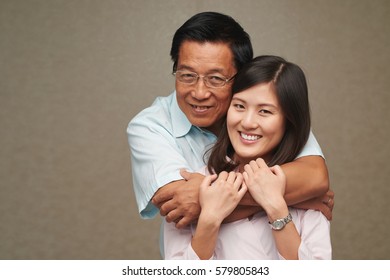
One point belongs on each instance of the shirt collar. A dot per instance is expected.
(180, 124)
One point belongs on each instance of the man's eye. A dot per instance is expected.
(216, 79)
(187, 76)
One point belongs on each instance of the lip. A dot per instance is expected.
(199, 109)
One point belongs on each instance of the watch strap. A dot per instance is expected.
(279, 224)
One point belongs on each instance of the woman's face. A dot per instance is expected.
(255, 123)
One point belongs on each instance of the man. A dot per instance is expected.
(176, 131)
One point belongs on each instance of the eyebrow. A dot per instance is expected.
(260, 105)
(189, 68)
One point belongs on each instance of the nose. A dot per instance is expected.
(200, 90)
(248, 120)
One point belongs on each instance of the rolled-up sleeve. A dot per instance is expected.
(152, 145)
(311, 148)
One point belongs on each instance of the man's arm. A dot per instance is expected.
(179, 201)
(307, 177)
(307, 187)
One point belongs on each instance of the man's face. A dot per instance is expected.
(204, 106)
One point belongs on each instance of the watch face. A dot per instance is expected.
(278, 224)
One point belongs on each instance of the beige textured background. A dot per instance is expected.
(73, 73)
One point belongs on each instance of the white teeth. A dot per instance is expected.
(249, 137)
(200, 108)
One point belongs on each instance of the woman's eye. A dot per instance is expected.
(238, 106)
(263, 111)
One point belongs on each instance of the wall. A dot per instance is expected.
(73, 73)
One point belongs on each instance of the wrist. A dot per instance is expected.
(209, 221)
(279, 224)
(277, 212)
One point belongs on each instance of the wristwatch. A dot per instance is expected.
(279, 224)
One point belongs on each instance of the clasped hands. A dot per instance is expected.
(181, 201)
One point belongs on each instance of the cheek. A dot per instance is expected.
(224, 103)
(180, 90)
(224, 97)
(277, 128)
(231, 122)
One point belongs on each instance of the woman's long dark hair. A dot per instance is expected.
(291, 89)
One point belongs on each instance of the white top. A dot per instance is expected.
(252, 238)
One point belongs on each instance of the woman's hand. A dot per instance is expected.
(267, 186)
(220, 198)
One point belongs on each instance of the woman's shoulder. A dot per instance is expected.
(307, 216)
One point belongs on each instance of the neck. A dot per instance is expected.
(244, 162)
(215, 128)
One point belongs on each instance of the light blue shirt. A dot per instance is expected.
(162, 141)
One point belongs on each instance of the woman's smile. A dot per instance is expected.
(255, 123)
(249, 137)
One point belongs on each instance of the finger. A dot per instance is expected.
(208, 180)
(245, 175)
(248, 169)
(182, 223)
(223, 176)
(330, 193)
(261, 163)
(244, 185)
(331, 204)
(167, 207)
(161, 196)
(242, 191)
(253, 165)
(238, 180)
(185, 174)
(325, 211)
(231, 177)
(173, 216)
(277, 170)
(328, 200)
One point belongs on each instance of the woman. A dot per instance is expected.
(267, 124)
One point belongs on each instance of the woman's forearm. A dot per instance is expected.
(205, 237)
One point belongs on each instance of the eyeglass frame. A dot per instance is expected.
(204, 78)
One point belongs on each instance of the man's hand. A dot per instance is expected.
(324, 204)
(179, 201)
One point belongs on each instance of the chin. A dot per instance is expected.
(201, 123)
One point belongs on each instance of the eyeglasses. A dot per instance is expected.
(191, 78)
